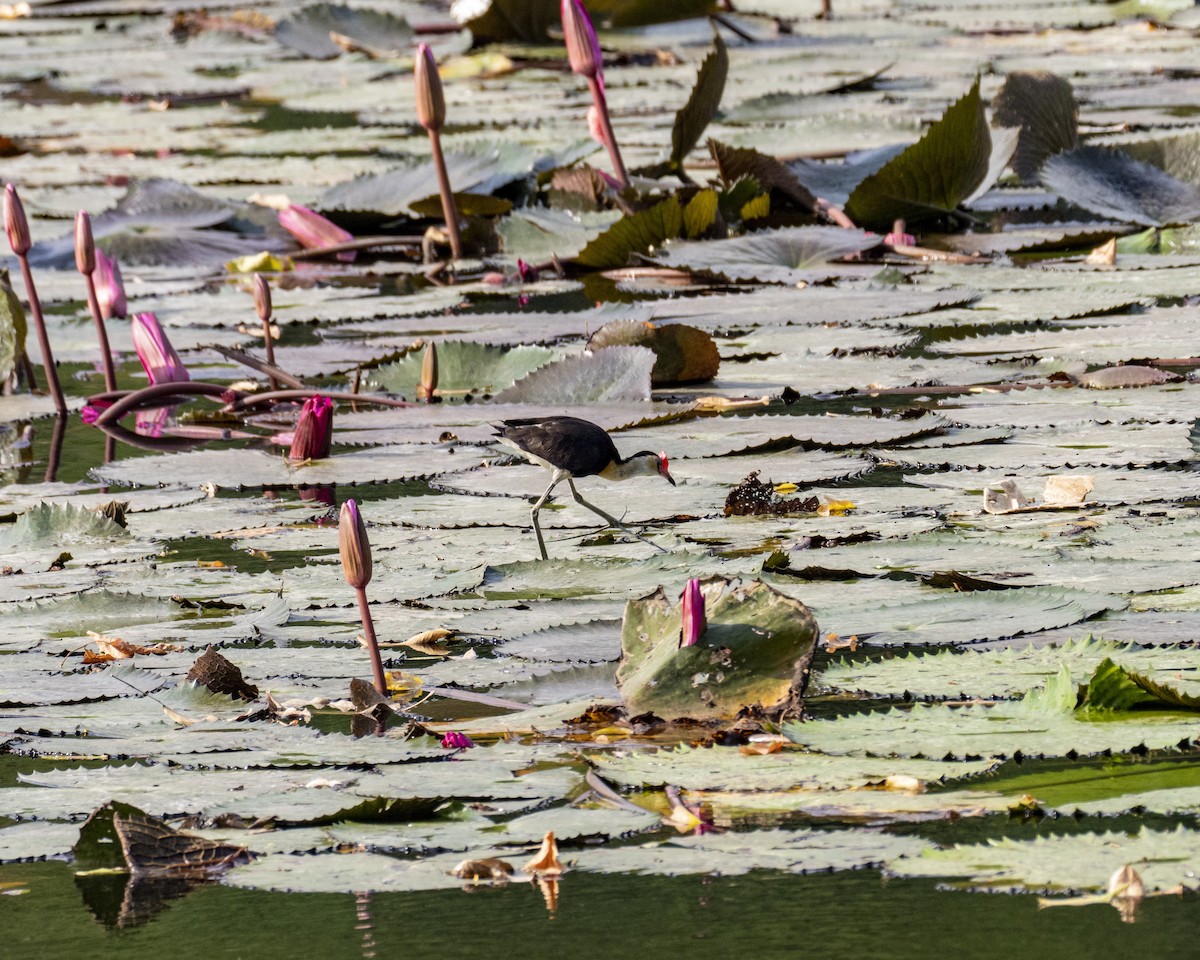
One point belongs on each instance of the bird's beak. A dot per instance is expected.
(670, 479)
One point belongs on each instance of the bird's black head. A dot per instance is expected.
(652, 463)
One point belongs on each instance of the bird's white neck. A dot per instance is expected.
(633, 467)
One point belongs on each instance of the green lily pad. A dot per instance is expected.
(754, 653)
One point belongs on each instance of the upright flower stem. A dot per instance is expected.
(431, 114)
(596, 85)
(85, 262)
(368, 624)
(262, 306)
(18, 236)
(449, 207)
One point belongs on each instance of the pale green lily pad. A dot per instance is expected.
(242, 470)
(754, 653)
(463, 365)
(610, 375)
(1061, 864)
(779, 256)
(980, 675)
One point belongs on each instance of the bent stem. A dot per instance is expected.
(372, 643)
(610, 138)
(156, 391)
(449, 207)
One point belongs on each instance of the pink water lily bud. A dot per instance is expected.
(314, 430)
(526, 273)
(15, 223)
(429, 373)
(159, 359)
(89, 413)
(312, 230)
(583, 48)
(694, 621)
(262, 297)
(431, 102)
(354, 546)
(453, 740)
(899, 237)
(85, 246)
(110, 287)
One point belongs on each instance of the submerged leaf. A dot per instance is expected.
(682, 353)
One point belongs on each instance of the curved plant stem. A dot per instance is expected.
(372, 643)
(39, 323)
(54, 455)
(258, 399)
(610, 138)
(156, 391)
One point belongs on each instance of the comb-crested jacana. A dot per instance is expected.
(571, 448)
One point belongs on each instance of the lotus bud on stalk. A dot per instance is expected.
(110, 287)
(583, 50)
(429, 373)
(159, 359)
(431, 114)
(262, 306)
(17, 228)
(355, 549)
(313, 231)
(694, 621)
(85, 263)
(314, 430)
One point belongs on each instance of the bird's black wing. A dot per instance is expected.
(578, 446)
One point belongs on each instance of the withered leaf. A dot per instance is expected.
(214, 671)
(754, 498)
(153, 849)
(490, 868)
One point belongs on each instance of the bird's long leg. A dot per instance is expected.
(613, 521)
(558, 477)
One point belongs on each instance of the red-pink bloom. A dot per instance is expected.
(314, 430)
(694, 621)
(312, 230)
(110, 288)
(90, 413)
(453, 740)
(526, 273)
(159, 359)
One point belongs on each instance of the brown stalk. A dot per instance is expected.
(610, 139)
(262, 306)
(372, 643)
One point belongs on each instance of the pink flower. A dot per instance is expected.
(312, 230)
(90, 413)
(314, 430)
(161, 362)
(583, 48)
(453, 740)
(694, 621)
(110, 288)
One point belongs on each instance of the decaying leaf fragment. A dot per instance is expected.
(756, 498)
(1061, 491)
(214, 671)
(1125, 376)
(114, 648)
(489, 868)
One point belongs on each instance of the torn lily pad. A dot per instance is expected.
(754, 654)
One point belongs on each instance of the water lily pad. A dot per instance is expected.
(754, 653)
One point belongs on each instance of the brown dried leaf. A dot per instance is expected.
(755, 498)
(545, 862)
(220, 676)
(153, 849)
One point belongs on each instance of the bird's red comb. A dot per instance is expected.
(662, 459)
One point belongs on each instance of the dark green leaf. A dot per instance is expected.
(1043, 106)
(934, 175)
(738, 163)
(636, 233)
(694, 116)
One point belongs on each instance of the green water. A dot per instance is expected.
(763, 915)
